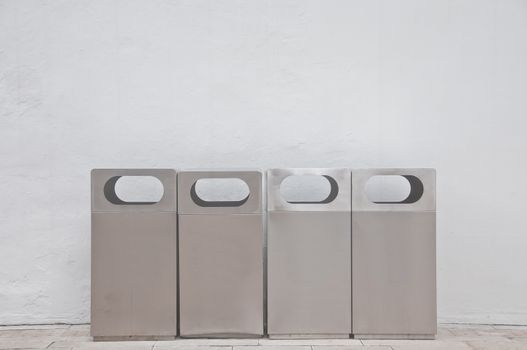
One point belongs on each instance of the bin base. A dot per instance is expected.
(309, 336)
(395, 336)
(134, 338)
(221, 336)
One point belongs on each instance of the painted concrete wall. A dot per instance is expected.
(276, 83)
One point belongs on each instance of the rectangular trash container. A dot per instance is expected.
(309, 259)
(394, 258)
(220, 258)
(133, 257)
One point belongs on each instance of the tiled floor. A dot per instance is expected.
(450, 337)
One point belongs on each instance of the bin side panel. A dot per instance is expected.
(221, 274)
(134, 274)
(309, 273)
(394, 273)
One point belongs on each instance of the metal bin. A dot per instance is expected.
(309, 259)
(220, 259)
(133, 258)
(394, 258)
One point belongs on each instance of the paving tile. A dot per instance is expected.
(82, 336)
(485, 344)
(191, 347)
(511, 326)
(472, 333)
(310, 342)
(210, 342)
(467, 338)
(31, 333)
(420, 344)
(80, 326)
(116, 345)
(469, 330)
(26, 342)
(398, 341)
(273, 347)
(77, 330)
(436, 346)
(444, 333)
(36, 326)
(69, 342)
(511, 331)
(60, 347)
(353, 347)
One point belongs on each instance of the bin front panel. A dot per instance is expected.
(309, 260)
(134, 282)
(221, 261)
(309, 273)
(221, 274)
(394, 259)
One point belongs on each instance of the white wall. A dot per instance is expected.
(276, 83)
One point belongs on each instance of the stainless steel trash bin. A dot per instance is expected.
(220, 258)
(394, 258)
(309, 259)
(133, 288)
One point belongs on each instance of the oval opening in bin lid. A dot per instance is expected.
(134, 190)
(220, 192)
(393, 189)
(305, 189)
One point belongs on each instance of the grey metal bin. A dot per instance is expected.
(309, 259)
(394, 258)
(133, 258)
(220, 259)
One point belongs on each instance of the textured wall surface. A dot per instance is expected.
(275, 83)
